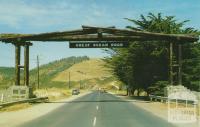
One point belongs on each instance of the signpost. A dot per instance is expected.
(98, 44)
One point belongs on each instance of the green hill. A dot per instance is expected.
(47, 72)
(91, 73)
(90, 69)
(84, 72)
(50, 70)
(6, 76)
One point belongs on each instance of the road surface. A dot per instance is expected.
(98, 110)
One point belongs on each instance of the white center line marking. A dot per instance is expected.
(97, 107)
(94, 121)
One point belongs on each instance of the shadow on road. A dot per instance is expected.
(91, 101)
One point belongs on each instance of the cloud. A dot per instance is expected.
(50, 15)
(13, 13)
(17, 13)
(20, 14)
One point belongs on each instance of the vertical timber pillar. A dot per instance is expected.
(26, 65)
(171, 63)
(180, 64)
(26, 62)
(17, 64)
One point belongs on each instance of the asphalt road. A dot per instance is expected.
(98, 110)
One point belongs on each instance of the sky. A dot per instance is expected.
(38, 16)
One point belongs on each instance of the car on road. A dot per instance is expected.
(103, 90)
(75, 92)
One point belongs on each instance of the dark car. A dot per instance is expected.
(102, 90)
(75, 91)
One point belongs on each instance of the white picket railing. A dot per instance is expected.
(2, 98)
(166, 99)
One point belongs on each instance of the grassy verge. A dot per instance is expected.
(160, 105)
(15, 107)
(118, 92)
(52, 93)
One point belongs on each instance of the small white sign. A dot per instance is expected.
(186, 112)
(182, 115)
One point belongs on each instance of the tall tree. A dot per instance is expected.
(146, 63)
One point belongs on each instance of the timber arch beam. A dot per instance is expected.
(90, 33)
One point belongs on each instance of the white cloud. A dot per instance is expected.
(16, 13)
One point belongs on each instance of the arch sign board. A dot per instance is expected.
(98, 44)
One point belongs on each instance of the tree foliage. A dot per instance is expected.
(144, 64)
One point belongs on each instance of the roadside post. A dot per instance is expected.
(2, 97)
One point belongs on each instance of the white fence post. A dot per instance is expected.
(176, 103)
(186, 103)
(2, 97)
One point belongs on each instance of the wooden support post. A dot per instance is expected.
(180, 64)
(26, 65)
(171, 63)
(26, 62)
(17, 64)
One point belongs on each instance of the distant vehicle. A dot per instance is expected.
(75, 92)
(103, 90)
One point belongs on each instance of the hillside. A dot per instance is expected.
(6, 76)
(50, 70)
(90, 73)
(47, 72)
(84, 72)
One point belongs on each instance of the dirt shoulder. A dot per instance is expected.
(15, 118)
(156, 108)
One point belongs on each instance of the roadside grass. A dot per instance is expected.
(156, 105)
(53, 93)
(118, 92)
(15, 107)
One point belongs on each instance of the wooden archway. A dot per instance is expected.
(90, 33)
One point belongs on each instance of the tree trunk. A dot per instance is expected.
(138, 92)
